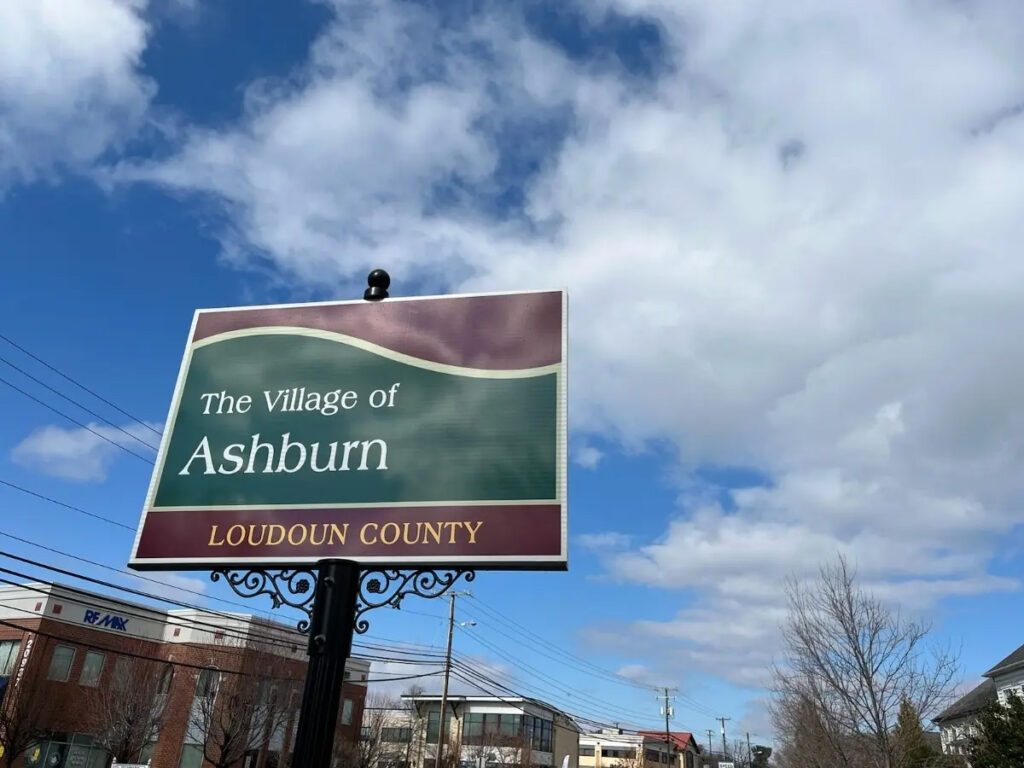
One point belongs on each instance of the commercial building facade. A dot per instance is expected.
(613, 747)
(480, 732)
(68, 656)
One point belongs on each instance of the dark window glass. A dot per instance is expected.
(510, 725)
(586, 751)
(92, 669)
(60, 664)
(396, 735)
(164, 686)
(8, 655)
(433, 731)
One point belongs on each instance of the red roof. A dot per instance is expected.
(681, 739)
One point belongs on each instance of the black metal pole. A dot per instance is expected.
(332, 623)
(330, 641)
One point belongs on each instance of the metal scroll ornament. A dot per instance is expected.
(385, 586)
(377, 588)
(291, 588)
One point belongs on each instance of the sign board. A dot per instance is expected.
(726, 765)
(409, 432)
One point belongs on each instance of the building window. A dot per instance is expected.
(586, 751)
(433, 721)
(346, 711)
(57, 608)
(206, 685)
(191, 756)
(395, 735)
(8, 656)
(92, 669)
(164, 686)
(60, 663)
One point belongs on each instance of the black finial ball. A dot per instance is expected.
(378, 281)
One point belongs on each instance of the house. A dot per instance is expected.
(957, 722)
(480, 732)
(611, 747)
(685, 747)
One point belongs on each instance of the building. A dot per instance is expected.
(686, 748)
(956, 723)
(67, 656)
(612, 747)
(481, 732)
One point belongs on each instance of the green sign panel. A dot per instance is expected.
(415, 431)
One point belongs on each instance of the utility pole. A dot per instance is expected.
(710, 734)
(441, 735)
(667, 711)
(723, 720)
(750, 756)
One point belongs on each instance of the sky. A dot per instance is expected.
(789, 232)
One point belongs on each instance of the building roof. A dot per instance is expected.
(681, 739)
(515, 702)
(1015, 659)
(971, 702)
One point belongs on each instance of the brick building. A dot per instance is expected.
(66, 655)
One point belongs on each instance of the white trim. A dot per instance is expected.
(560, 561)
(389, 300)
(362, 505)
(381, 351)
(165, 438)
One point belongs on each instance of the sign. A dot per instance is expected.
(726, 765)
(410, 432)
(108, 620)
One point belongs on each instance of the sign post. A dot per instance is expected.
(373, 441)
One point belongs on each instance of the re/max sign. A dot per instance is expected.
(109, 620)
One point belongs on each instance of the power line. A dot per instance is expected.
(572, 659)
(193, 623)
(67, 506)
(601, 704)
(79, 384)
(75, 421)
(127, 573)
(91, 412)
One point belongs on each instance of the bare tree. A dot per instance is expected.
(25, 710)
(850, 663)
(126, 714)
(383, 716)
(503, 749)
(236, 716)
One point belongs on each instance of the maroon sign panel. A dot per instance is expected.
(426, 431)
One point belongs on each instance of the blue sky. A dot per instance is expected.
(789, 235)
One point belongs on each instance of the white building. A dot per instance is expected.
(483, 731)
(957, 722)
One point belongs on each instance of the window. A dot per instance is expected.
(191, 756)
(433, 723)
(8, 656)
(92, 669)
(586, 751)
(206, 685)
(346, 712)
(164, 686)
(60, 663)
(396, 735)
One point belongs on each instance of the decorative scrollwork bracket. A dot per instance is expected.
(378, 587)
(293, 588)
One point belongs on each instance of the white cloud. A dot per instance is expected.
(797, 251)
(80, 454)
(587, 456)
(70, 87)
